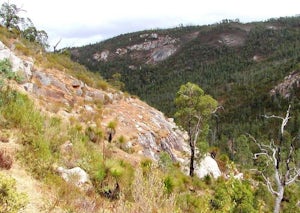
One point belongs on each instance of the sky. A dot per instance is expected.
(81, 22)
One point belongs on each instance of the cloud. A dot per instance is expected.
(83, 21)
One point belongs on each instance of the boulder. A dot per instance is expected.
(207, 166)
(76, 176)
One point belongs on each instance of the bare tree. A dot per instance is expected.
(285, 170)
(55, 46)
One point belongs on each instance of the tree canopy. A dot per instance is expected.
(194, 108)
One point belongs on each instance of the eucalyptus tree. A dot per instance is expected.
(193, 110)
(281, 167)
(9, 15)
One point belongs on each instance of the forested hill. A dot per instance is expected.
(239, 64)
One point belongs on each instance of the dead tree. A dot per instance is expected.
(285, 169)
(55, 46)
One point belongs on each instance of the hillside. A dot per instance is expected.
(71, 142)
(238, 64)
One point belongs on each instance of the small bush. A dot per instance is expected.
(10, 200)
(5, 160)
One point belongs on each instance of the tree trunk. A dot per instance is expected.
(192, 158)
(278, 200)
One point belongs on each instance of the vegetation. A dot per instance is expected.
(239, 77)
(228, 73)
(10, 19)
(282, 158)
(194, 110)
(10, 200)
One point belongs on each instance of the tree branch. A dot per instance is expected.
(269, 185)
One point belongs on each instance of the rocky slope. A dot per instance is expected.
(140, 132)
(147, 131)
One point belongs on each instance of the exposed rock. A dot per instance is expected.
(17, 63)
(30, 87)
(162, 53)
(121, 51)
(154, 35)
(144, 35)
(76, 176)
(207, 166)
(60, 85)
(101, 56)
(232, 40)
(88, 108)
(290, 83)
(98, 95)
(43, 78)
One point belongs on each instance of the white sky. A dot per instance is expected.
(80, 22)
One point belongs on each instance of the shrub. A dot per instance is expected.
(6, 69)
(148, 194)
(10, 200)
(5, 160)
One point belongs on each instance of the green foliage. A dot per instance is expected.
(169, 184)
(231, 74)
(243, 153)
(189, 202)
(233, 196)
(9, 15)
(20, 111)
(10, 200)
(6, 69)
(112, 125)
(194, 108)
(10, 19)
(165, 161)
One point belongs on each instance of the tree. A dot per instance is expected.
(9, 15)
(34, 35)
(10, 19)
(193, 111)
(280, 158)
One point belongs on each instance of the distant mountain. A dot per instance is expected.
(238, 64)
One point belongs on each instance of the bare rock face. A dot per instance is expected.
(162, 53)
(18, 65)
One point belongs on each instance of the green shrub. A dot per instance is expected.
(6, 69)
(192, 203)
(10, 200)
(165, 161)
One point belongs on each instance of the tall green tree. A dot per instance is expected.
(194, 109)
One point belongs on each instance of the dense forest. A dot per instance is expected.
(240, 76)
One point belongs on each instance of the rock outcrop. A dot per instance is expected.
(17, 63)
(289, 84)
(208, 166)
(155, 48)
